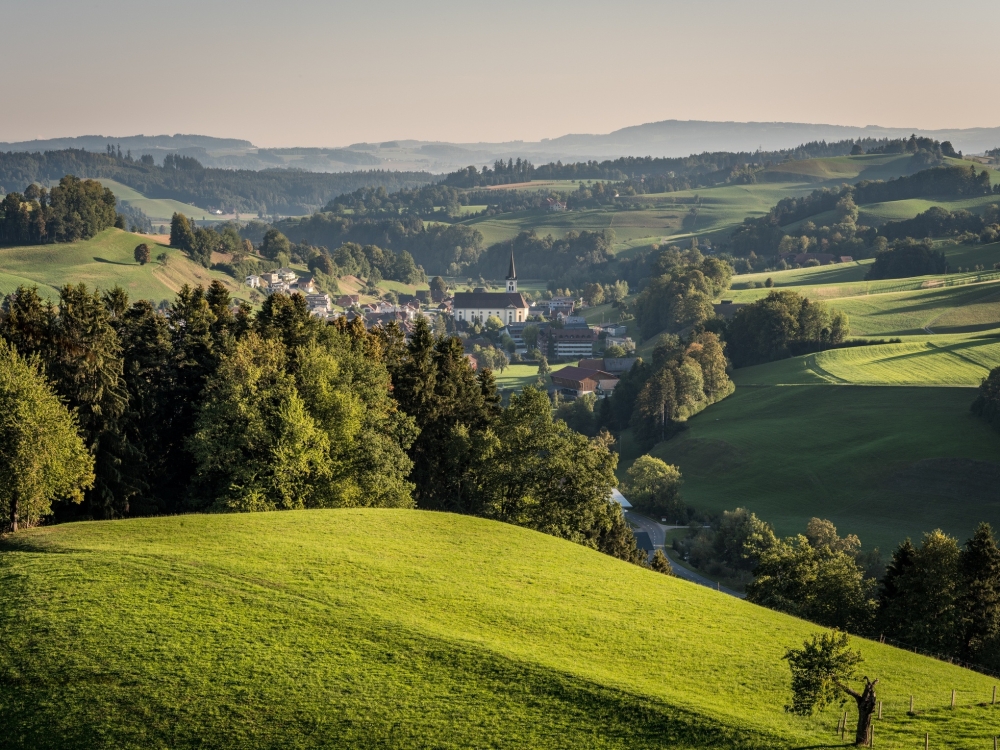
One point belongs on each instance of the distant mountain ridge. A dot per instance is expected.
(682, 137)
(667, 138)
(130, 142)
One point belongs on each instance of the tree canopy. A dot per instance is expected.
(42, 456)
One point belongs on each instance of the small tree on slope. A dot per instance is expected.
(821, 671)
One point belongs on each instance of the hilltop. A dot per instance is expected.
(369, 628)
(104, 261)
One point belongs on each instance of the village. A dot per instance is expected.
(496, 328)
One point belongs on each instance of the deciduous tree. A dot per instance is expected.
(42, 457)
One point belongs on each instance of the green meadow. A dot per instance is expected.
(516, 377)
(103, 261)
(714, 212)
(159, 210)
(881, 462)
(401, 629)
(935, 360)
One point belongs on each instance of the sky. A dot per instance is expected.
(322, 73)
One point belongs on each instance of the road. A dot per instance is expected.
(657, 533)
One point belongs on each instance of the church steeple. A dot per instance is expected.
(511, 275)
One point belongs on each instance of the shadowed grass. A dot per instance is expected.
(361, 628)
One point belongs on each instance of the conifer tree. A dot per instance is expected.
(978, 603)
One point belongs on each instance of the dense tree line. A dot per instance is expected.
(682, 377)
(503, 173)
(936, 597)
(680, 291)
(200, 242)
(73, 210)
(368, 262)
(207, 407)
(439, 248)
(269, 191)
(782, 324)
(706, 164)
(425, 201)
(907, 258)
(913, 145)
(585, 253)
(940, 222)
(767, 236)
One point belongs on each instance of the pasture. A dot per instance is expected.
(882, 463)
(159, 210)
(372, 629)
(104, 261)
(935, 360)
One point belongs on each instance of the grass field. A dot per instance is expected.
(937, 360)
(517, 377)
(665, 216)
(884, 463)
(103, 261)
(159, 210)
(955, 309)
(375, 629)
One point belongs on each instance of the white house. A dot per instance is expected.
(510, 306)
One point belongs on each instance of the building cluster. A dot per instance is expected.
(562, 333)
(284, 280)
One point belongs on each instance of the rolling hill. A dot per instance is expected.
(383, 629)
(714, 212)
(103, 261)
(878, 438)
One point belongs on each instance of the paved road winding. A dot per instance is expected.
(657, 534)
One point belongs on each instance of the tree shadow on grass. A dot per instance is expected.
(113, 262)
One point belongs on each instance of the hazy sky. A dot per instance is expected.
(299, 72)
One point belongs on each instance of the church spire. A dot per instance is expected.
(511, 274)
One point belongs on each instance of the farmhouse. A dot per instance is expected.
(509, 306)
(576, 381)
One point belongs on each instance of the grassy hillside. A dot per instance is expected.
(103, 261)
(884, 463)
(379, 629)
(159, 210)
(935, 360)
(658, 217)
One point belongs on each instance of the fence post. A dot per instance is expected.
(927, 741)
(911, 705)
(953, 699)
(880, 710)
(994, 695)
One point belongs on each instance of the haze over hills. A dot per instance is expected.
(669, 138)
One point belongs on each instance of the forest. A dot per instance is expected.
(267, 192)
(439, 248)
(73, 210)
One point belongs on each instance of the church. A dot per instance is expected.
(477, 306)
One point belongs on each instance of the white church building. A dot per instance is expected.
(477, 306)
